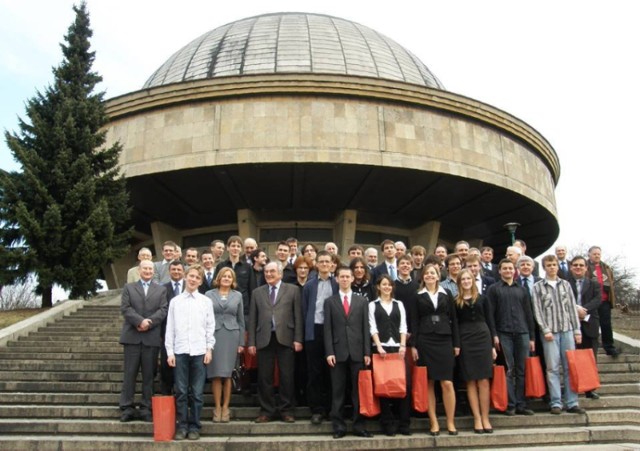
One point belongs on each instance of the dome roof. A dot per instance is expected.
(293, 43)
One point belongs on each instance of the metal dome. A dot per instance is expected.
(293, 43)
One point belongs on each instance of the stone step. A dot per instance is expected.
(79, 330)
(215, 440)
(27, 347)
(15, 354)
(64, 365)
(43, 340)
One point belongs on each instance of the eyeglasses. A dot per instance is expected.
(578, 265)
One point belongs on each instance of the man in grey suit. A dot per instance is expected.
(144, 308)
(347, 344)
(161, 269)
(275, 333)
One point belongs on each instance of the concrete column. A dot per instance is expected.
(475, 242)
(426, 235)
(247, 227)
(162, 232)
(344, 230)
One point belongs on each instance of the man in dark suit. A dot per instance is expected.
(588, 299)
(564, 269)
(173, 288)
(275, 333)
(207, 260)
(483, 281)
(348, 347)
(389, 265)
(144, 308)
(486, 259)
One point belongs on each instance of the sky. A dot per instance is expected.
(570, 69)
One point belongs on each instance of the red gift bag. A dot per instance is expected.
(389, 376)
(369, 403)
(499, 396)
(583, 371)
(534, 386)
(164, 418)
(420, 389)
(250, 361)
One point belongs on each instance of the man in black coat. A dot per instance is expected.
(588, 299)
(348, 347)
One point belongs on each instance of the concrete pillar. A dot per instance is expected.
(475, 242)
(247, 227)
(162, 232)
(344, 230)
(426, 235)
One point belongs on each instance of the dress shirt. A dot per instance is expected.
(190, 325)
(324, 291)
(373, 327)
(450, 285)
(433, 296)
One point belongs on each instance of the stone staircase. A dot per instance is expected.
(59, 389)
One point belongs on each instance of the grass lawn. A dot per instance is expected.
(9, 317)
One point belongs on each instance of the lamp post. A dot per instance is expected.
(511, 227)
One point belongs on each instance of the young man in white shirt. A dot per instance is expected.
(189, 342)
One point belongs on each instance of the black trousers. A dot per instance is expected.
(267, 358)
(606, 329)
(318, 378)
(136, 357)
(341, 373)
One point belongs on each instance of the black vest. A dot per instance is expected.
(388, 325)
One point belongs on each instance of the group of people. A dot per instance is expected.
(319, 320)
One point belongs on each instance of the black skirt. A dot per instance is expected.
(436, 353)
(476, 358)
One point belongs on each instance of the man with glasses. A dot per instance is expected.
(314, 293)
(588, 299)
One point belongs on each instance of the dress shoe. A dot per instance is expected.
(217, 414)
(613, 352)
(478, 431)
(146, 417)
(527, 412)
(488, 431)
(363, 433)
(193, 435)
(510, 412)
(576, 409)
(224, 417)
(452, 432)
(592, 395)
(180, 435)
(127, 415)
(434, 433)
(339, 434)
(404, 432)
(316, 419)
(556, 410)
(288, 418)
(262, 419)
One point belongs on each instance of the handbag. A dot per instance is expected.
(583, 371)
(389, 376)
(534, 385)
(499, 395)
(369, 403)
(164, 418)
(237, 374)
(420, 389)
(250, 361)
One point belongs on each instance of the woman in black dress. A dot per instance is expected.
(475, 323)
(436, 343)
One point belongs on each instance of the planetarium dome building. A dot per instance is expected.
(307, 125)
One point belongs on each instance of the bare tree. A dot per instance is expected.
(20, 295)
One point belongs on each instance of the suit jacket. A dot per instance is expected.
(347, 337)
(425, 316)
(286, 312)
(566, 275)
(487, 281)
(161, 272)
(381, 269)
(204, 286)
(309, 294)
(591, 299)
(135, 307)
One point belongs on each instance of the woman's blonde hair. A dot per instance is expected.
(474, 288)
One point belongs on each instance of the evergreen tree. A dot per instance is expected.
(64, 214)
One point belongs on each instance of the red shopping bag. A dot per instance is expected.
(164, 418)
(369, 403)
(534, 386)
(420, 389)
(389, 376)
(250, 361)
(499, 396)
(583, 371)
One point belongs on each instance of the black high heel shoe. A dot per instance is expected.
(453, 432)
(478, 431)
(434, 433)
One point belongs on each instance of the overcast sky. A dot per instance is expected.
(570, 69)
